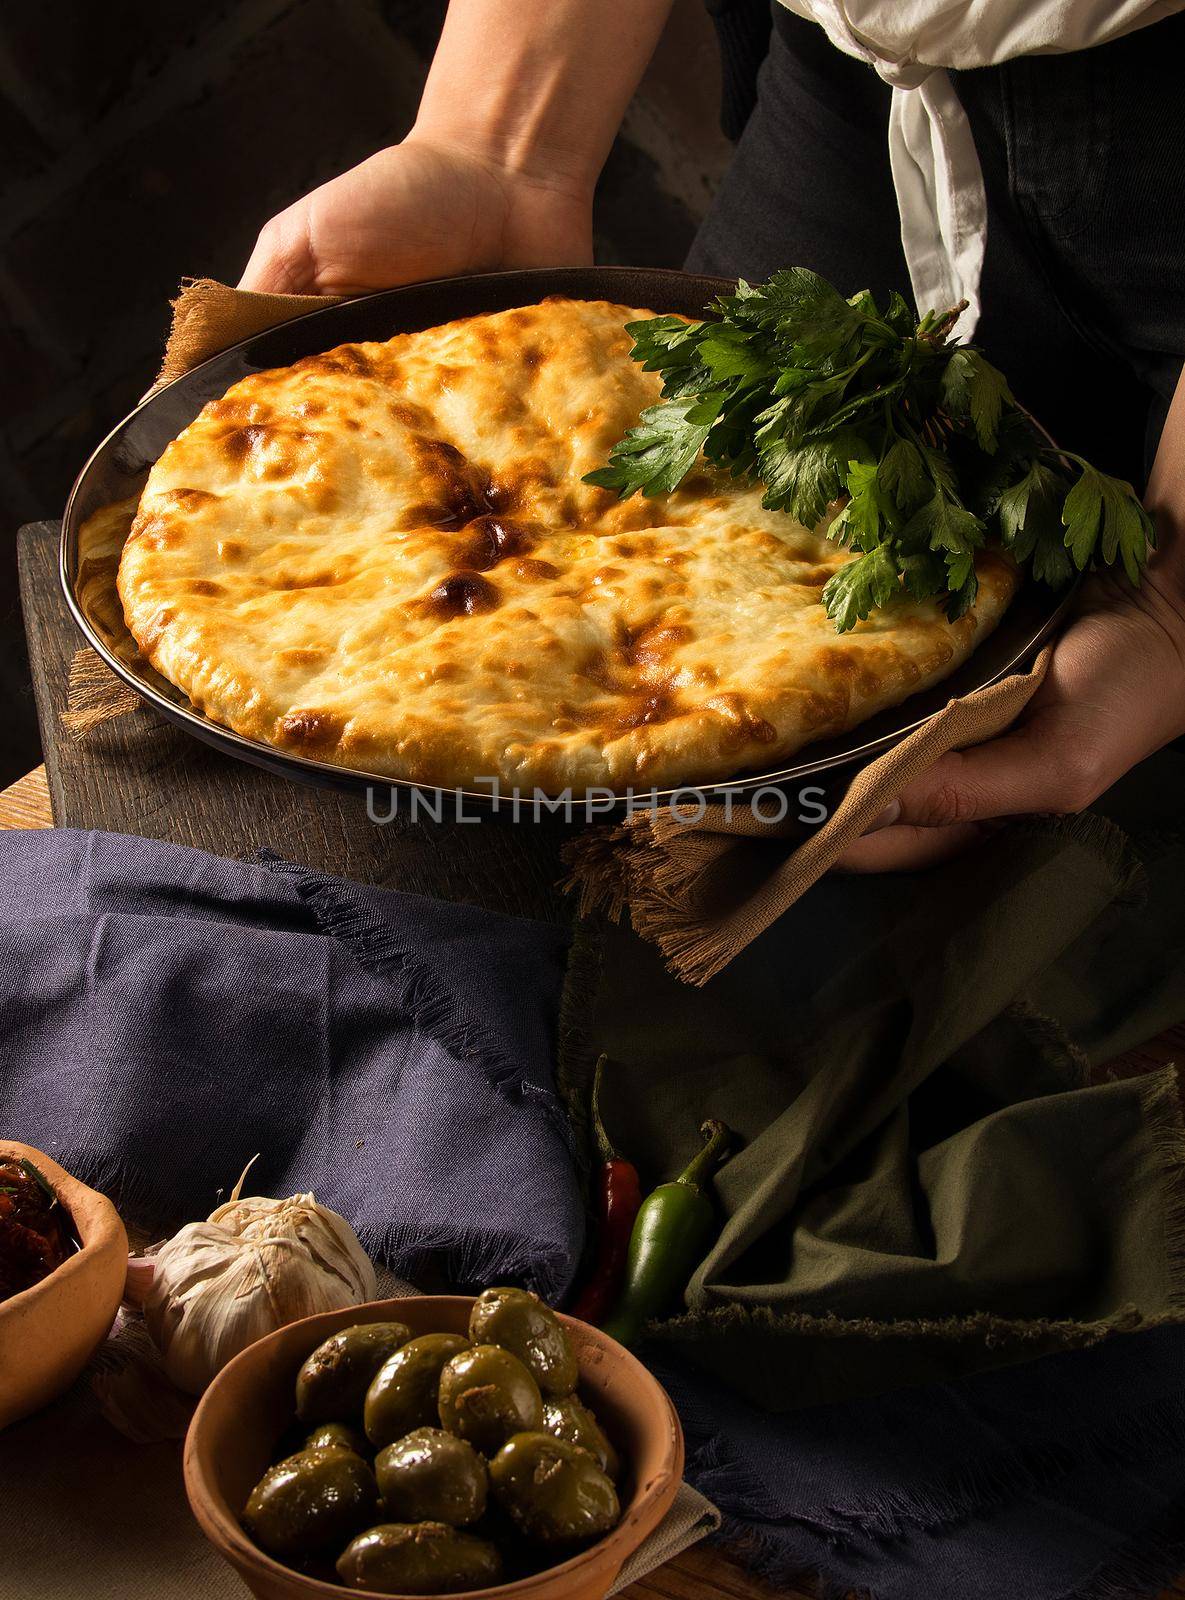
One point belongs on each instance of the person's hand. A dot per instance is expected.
(421, 209)
(1114, 693)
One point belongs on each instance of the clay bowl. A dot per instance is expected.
(49, 1332)
(238, 1425)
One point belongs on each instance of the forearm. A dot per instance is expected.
(1165, 498)
(539, 87)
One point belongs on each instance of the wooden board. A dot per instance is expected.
(137, 774)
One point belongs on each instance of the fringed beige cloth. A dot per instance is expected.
(209, 316)
(94, 694)
(702, 890)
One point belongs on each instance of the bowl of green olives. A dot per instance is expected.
(435, 1445)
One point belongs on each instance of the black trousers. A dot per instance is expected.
(1083, 157)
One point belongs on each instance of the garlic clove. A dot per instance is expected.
(133, 1392)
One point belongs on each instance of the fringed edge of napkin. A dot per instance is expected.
(670, 873)
(1147, 1563)
(419, 995)
(1161, 1099)
(993, 1331)
(209, 317)
(94, 694)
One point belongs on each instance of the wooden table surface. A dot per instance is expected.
(172, 802)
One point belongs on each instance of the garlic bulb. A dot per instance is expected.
(254, 1265)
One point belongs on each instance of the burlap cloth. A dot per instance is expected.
(86, 1514)
(702, 889)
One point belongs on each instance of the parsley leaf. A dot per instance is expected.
(870, 512)
(860, 587)
(1099, 504)
(805, 479)
(656, 455)
(924, 572)
(972, 387)
(940, 524)
(902, 474)
(1029, 511)
(1051, 564)
(941, 470)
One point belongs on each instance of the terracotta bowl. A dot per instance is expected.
(49, 1332)
(249, 1405)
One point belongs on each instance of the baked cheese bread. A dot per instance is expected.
(384, 558)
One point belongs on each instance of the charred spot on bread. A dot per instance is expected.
(462, 594)
(314, 729)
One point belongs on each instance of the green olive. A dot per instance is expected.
(311, 1501)
(334, 1380)
(402, 1395)
(337, 1436)
(522, 1324)
(432, 1476)
(486, 1394)
(418, 1558)
(553, 1491)
(572, 1420)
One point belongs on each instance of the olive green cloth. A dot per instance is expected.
(930, 1180)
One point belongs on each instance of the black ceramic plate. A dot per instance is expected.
(118, 467)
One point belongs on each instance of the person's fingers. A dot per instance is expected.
(1091, 721)
(1023, 770)
(909, 848)
(952, 805)
(890, 815)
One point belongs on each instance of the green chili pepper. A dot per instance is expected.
(673, 1227)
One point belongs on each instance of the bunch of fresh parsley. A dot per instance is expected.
(820, 398)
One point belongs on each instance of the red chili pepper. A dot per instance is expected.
(620, 1195)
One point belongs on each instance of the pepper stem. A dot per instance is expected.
(605, 1146)
(716, 1139)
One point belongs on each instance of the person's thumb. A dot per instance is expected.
(282, 260)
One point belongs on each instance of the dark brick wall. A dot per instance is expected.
(142, 140)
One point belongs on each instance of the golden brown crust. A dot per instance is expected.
(383, 557)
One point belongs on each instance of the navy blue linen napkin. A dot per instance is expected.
(1062, 1479)
(164, 1015)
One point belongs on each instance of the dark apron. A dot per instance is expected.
(1083, 158)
